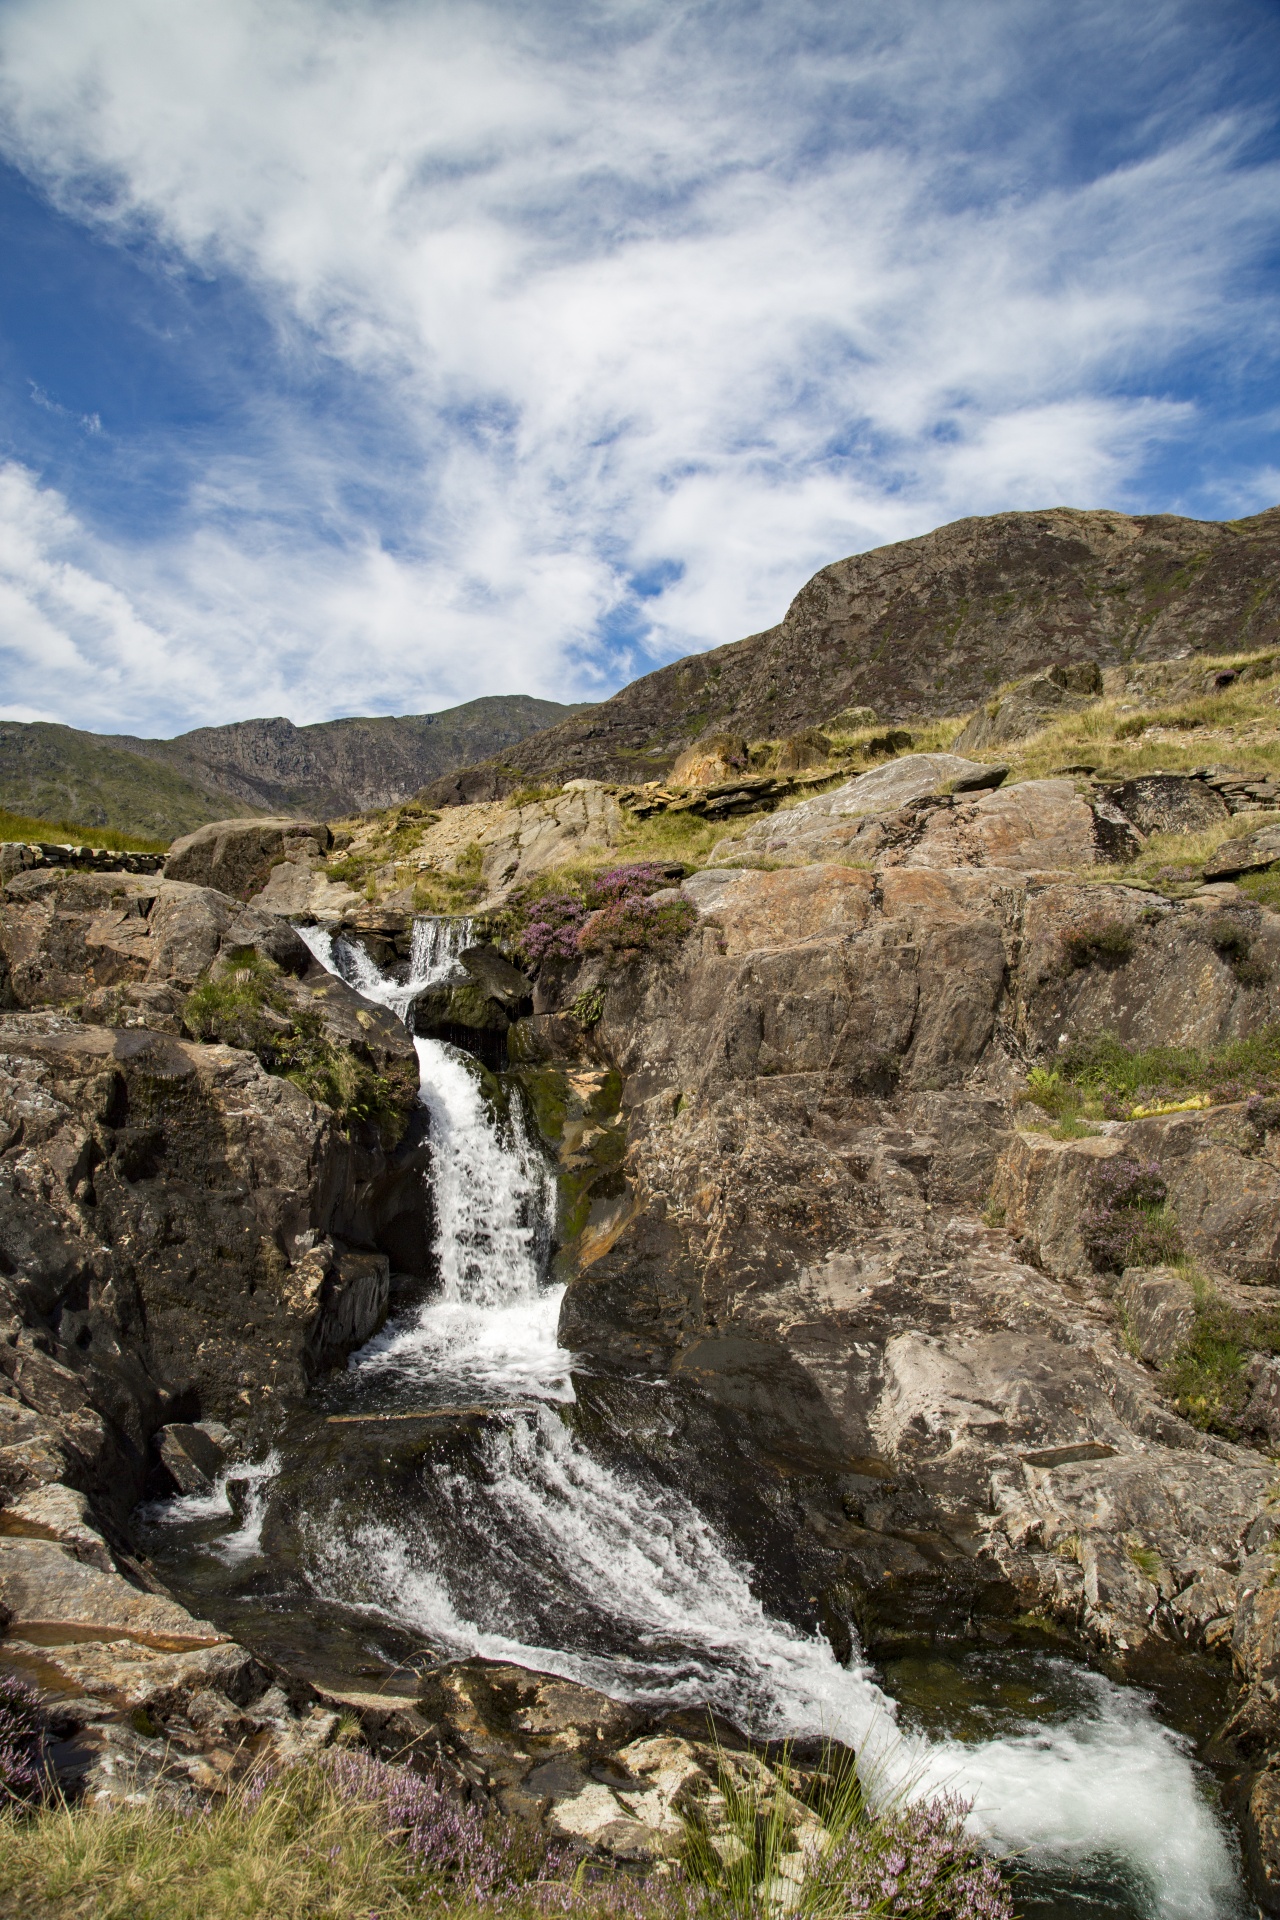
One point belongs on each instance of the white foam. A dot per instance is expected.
(433, 961)
(243, 1541)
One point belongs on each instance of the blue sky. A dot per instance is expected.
(372, 357)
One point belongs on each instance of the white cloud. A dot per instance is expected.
(722, 297)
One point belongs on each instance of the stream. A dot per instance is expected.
(532, 1544)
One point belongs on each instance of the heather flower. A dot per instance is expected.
(23, 1773)
(1123, 1224)
(611, 915)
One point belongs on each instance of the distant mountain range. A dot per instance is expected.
(162, 788)
(926, 628)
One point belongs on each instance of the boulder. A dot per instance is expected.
(498, 978)
(140, 1152)
(1168, 803)
(43, 1584)
(1250, 853)
(193, 1456)
(823, 827)
(1159, 1309)
(717, 757)
(122, 944)
(236, 856)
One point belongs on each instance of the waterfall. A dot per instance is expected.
(433, 961)
(493, 1323)
(554, 1559)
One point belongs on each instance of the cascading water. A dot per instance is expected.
(551, 1557)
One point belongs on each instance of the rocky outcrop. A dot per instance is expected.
(236, 856)
(187, 1241)
(1028, 705)
(826, 1218)
(928, 627)
(939, 810)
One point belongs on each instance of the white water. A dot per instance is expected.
(244, 1541)
(433, 961)
(628, 1589)
(492, 1322)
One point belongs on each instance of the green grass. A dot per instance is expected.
(302, 1852)
(1263, 888)
(812, 1844)
(59, 773)
(23, 826)
(1206, 1379)
(1138, 1076)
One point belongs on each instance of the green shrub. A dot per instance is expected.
(1207, 1379)
(587, 1007)
(1120, 1076)
(1125, 1223)
(1047, 1089)
(829, 1854)
(242, 1003)
(1234, 943)
(1099, 940)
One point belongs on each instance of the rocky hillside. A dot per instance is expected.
(931, 1165)
(928, 628)
(161, 788)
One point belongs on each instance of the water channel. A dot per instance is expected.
(533, 1545)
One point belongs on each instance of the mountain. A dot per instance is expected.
(167, 787)
(928, 627)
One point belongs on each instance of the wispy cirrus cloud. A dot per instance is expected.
(594, 331)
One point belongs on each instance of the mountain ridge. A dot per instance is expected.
(331, 768)
(927, 628)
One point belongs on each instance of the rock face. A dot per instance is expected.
(908, 814)
(1031, 704)
(183, 1235)
(926, 627)
(826, 1218)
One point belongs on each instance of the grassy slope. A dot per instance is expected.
(54, 773)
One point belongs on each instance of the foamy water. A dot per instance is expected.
(550, 1557)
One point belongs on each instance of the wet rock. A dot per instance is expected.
(1261, 1826)
(43, 1584)
(193, 1455)
(344, 1295)
(61, 1513)
(138, 1152)
(236, 856)
(497, 977)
